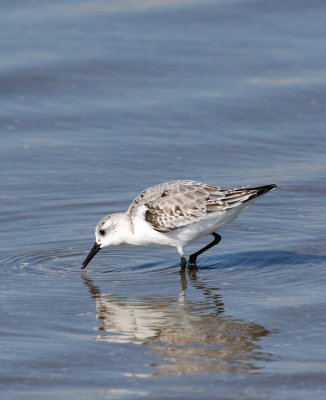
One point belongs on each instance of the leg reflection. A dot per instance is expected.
(211, 293)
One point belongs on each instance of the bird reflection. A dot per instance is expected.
(191, 336)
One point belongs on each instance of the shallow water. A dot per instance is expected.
(101, 100)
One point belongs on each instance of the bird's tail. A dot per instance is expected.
(252, 193)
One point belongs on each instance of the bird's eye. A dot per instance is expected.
(102, 232)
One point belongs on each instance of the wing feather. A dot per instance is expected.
(173, 205)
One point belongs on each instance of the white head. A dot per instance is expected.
(110, 231)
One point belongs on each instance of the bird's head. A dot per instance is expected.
(107, 233)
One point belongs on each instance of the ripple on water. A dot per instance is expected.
(283, 266)
(40, 261)
(123, 264)
(138, 266)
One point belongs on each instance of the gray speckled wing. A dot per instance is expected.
(173, 205)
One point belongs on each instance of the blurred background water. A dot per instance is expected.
(99, 100)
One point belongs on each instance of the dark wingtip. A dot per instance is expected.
(264, 189)
(258, 191)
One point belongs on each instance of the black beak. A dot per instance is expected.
(91, 254)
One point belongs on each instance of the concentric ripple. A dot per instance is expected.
(127, 264)
(41, 261)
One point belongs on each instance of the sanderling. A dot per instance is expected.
(174, 214)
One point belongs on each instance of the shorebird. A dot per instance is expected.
(174, 214)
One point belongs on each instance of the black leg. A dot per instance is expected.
(183, 279)
(183, 263)
(193, 257)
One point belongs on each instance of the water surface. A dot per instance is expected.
(101, 100)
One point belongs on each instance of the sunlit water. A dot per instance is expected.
(100, 100)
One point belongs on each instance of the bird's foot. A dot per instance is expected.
(192, 262)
